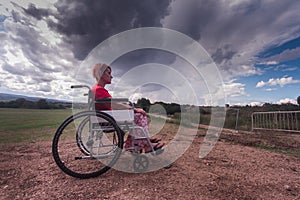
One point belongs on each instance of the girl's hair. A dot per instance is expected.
(98, 70)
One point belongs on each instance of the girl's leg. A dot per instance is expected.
(142, 121)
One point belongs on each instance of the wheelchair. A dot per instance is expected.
(88, 143)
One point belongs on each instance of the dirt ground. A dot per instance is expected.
(235, 169)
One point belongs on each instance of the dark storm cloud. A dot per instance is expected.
(85, 24)
(223, 54)
(35, 12)
(247, 26)
(17, 16)
(191, 17)
(135, 58)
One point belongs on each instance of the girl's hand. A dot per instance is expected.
(139, 110)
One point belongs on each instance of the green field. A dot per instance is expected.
(34, 125)
(29, 125)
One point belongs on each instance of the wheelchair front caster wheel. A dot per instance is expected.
(140, 163)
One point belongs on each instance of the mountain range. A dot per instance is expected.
(12, 97)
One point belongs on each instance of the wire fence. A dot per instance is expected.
(279, 121)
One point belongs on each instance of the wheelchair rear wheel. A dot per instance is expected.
(83, 148)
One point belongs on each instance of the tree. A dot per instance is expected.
(144, 103)
(20, 102)
(298, 100)
(42, 104)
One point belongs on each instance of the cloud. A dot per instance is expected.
(256, 103)
(37, 13)
(223, 54)
(278, 81)
(230, 32)
(287, 100)
(234, 89)
(281, 101)
(33, 56)
(44, 42)
(271, 62)
(235, 32)
(85, 24)
(289, 54)
(271, 89)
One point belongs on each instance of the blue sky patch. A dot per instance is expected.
(292, 44)
(2, 19)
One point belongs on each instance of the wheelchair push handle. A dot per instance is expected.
(80, 86)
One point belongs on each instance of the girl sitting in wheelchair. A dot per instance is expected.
(102, 74)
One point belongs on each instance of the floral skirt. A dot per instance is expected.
(142, 121)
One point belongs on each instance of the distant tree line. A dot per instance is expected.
(40, 104)
(169, 108)
(266, 107)
(172, 108)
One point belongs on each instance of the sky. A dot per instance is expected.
(254, 44)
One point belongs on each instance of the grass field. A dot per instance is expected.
(33, 125)
(29, 125)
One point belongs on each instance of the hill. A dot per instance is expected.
(13, 97)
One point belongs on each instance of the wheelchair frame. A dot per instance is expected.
(98, 136)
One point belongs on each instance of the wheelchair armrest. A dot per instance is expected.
(108, 100)
(120, 116)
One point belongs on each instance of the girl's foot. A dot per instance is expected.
(156, 147)
(155, 139)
